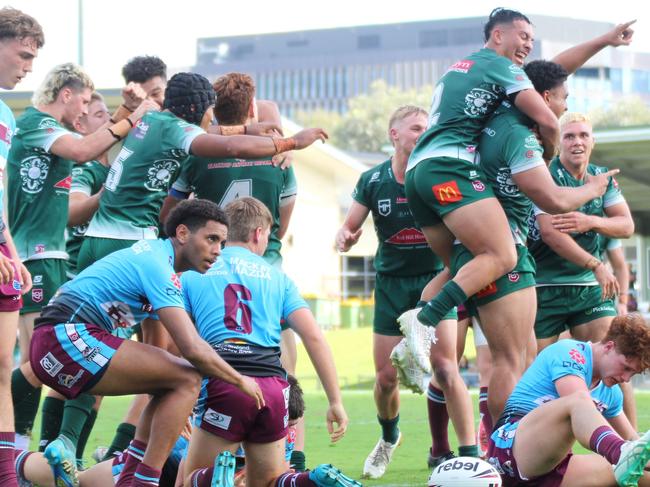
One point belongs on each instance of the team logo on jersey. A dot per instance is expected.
(447, 192)
(507, 186)
(160, 173)
(37, 294)
(39, 249)
(374, 177)
(531, 142)
(50, 364)
(37, 279)
(488, 290)
(513, 276)
(478, 186)
(33, 172)
(65, 183)
(480, 101)
(462, 66)
(119, 312)
(383, 207)
(407, 236)
(5, 133)
(577, 356)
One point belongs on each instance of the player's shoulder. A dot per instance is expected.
(596, 168)
(376, 173)
(37, 120)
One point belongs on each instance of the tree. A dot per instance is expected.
(626, 112)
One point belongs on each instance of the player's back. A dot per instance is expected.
(241, 297)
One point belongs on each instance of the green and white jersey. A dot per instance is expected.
(38, 189)
(507, 146)
(463, 101)
(552, 269)
(224, 180)
(608, 243)
(140, 176)
(402, 249)
(88, 179)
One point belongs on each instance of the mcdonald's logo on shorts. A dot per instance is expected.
(487, 290)
(447, 192)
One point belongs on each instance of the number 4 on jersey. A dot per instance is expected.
(239, 188)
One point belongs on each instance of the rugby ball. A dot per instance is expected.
(464, 472)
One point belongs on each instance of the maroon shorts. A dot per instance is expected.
(462, 313)
(71, 357)
(10, 297)
(225, 411)
(503, 459)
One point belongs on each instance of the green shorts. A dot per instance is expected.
(440, 185)
(560, 308)
(521, 277)
(95, 248)
(396, 294)
(47, 276)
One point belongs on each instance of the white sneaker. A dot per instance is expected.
(410, 374)
(634, 457)
(419, 337)
(379, 458)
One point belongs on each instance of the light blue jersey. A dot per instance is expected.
(119, 290)
(7, 129)
(241, 298)
(566, 357)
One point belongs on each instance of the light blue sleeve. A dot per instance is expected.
(160, 284)
(565, 358)
(614, 402)
(292, 298)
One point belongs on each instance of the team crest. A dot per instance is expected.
(33, 172)
(478, 186)
(480, 101)
(513, 276)
(37, 295)
(160, 173)
(384, 207)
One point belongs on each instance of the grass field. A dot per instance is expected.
(352, 350)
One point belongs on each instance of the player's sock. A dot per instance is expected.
(20, 457)
(486, 418)
(201, 477)
(25, 400)
(7, 454)
(389, 429)
(145, 476)
(75, 414)
(438, 421)
(85, 433)
(606, 442)
(51, 413)
(124, 433)
(421, 304)
(449, 296)
(468, 451)
(134, 454)
(294, 480)
(297, 461)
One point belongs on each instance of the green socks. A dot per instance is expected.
(75, 413)
(85, 433)
(25, 399)
(51, 411)
(468, 451)
(297, 461)
(389, 429)
(124, 433)
(449, 296)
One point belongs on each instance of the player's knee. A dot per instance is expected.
(445, 372)
(386, 379)
(507, 260)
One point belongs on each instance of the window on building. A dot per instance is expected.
(297, 43)
(466, 35)
(587, 73)
(433, 38)
(369, 41)
(357, 277)
(242, 50)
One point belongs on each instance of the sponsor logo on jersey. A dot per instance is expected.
(74, 336)
(530, 154)
(119, 312)
(407, 236)
(37, 280)
(217, 419)
(515, 69)
(5, 133)
(507, 186)
(374, 177)
(141, 129)
(67, 380)
(37, 294)
(488, 290)
(447, 192)
(531, 142)
(65, 183)
(478, 186)
(33, 173)
(462, 66)
(50, 364)
(401, 201)
(176, 281)
(39, 249)
(384, 207)
(490, 132)
(577, 356)
(89, 353)
(614, 182)
(513, 276)
(600, 308)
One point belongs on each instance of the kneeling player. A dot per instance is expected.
(237, 308)
(570, 393)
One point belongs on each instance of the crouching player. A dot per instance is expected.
(237, 308)
(571, 392)
(73, 351)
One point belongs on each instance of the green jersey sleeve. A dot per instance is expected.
(523, 151)
(45, 134)
(511, 77)
(289, 186)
